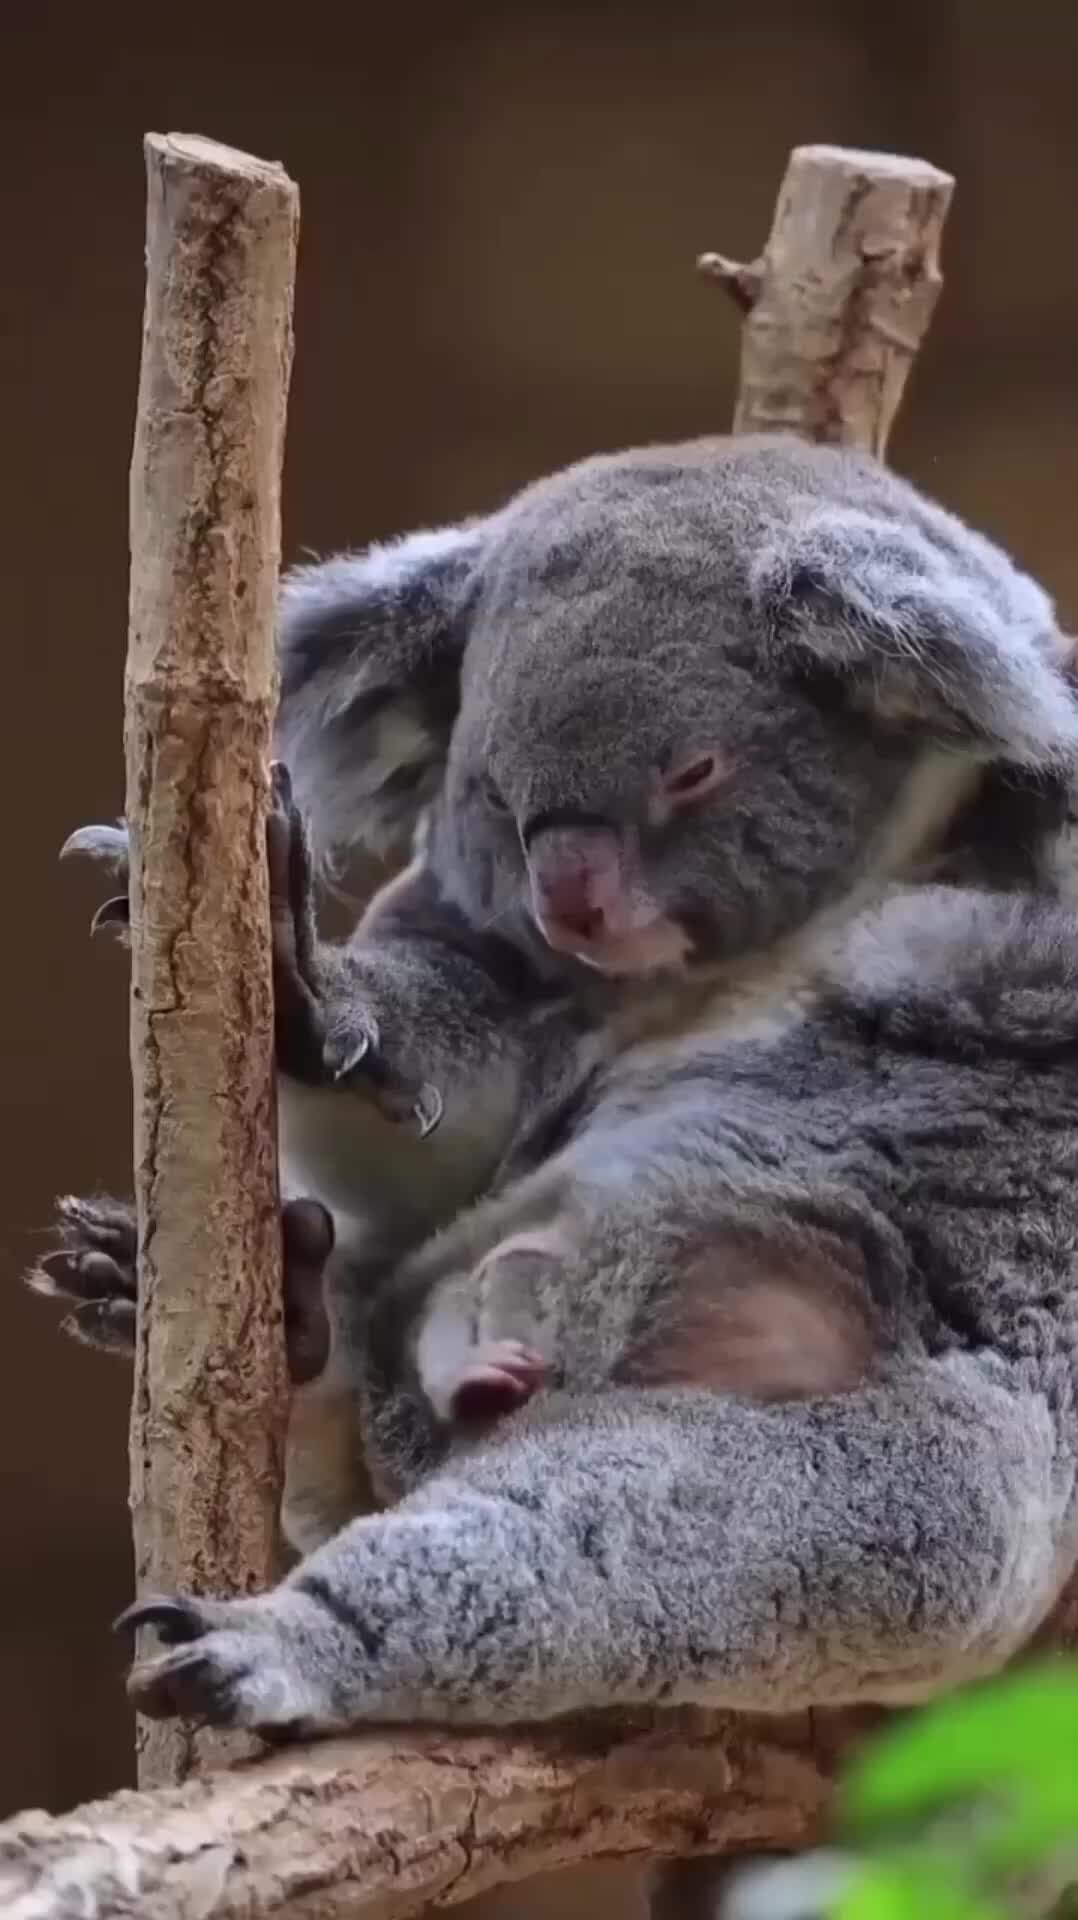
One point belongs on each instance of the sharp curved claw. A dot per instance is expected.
(88, 1272)
(112, 913)
(343, 1062)
(428, 1109)
(108, 1326)
(176, 1621)
(101, 843)
(281, 783)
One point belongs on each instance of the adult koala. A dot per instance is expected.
(671, 718)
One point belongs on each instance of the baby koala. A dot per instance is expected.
(776, 1329)
(484, 1344)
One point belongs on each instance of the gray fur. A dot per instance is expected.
(615, 1544)
(715, 592)
(862, 661)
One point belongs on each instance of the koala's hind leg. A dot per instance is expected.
(657, 1547)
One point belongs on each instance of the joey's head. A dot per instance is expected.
(669, 705)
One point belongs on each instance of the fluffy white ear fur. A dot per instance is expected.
(974, 655)
(370, 647)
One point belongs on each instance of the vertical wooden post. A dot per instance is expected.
(211, 1394)
(841, 298)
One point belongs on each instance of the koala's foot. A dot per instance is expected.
(500, 1376)
(235, 1663)
(95, 1268)
(325, 1033)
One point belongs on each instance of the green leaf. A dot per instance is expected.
(914, 1890)
(1015, 1735)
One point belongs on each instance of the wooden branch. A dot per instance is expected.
(379, 1828)
(211, 1391)
(842, 297)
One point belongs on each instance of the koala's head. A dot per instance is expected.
(667, 705)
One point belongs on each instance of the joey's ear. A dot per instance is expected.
(370, 650)
(942, 635)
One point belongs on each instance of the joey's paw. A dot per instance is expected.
(499, 1377)
(95, 1267)
(111, 846)
(227, 1664)
(326, 1034)
(356, 1059)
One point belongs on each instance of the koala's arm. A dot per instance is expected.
(661, 1546)
(417, 1058)
(406, 1059)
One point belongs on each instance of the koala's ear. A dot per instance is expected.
(942, 635)
(370, 653)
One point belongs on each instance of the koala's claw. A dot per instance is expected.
(186, 1684)
(74, 1273)
(94, 1267)
(227, 1664)
(108, 1326)
(112, 913)
(112, 846)
(177, 1621)
(314, 1040)
(353, 1055)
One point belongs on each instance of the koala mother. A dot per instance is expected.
(672, 713)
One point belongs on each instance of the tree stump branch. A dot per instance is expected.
(841, 298)
(384, 1827)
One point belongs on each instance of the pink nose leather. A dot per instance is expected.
(577, 883)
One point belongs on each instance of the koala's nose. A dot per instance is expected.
(576, 883)
(573, 914)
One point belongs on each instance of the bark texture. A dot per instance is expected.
(211, 1392)
(841, 299)
(379, 1829)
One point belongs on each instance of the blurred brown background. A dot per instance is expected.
(501, 206)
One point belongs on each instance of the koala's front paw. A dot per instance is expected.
(95, 1267)
(326, 1034)
(239, 1663)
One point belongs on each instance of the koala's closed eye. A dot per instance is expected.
(493, 798)
(684, 782)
